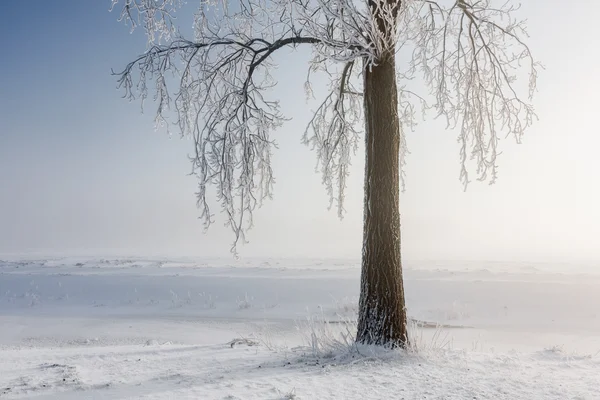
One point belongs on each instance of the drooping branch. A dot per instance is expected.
(333, 133)
(232, 146)
(221, 102)
(469, 53)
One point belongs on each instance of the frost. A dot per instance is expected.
(217, 84)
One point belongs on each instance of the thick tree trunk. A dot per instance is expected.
(382, 312)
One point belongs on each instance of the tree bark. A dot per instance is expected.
(382, 311)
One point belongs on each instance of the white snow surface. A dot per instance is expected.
(83, 328)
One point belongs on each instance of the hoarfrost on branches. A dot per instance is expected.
(467, 52)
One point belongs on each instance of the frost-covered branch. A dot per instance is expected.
(222, 80)
(216, 83)
(470, 53)
(333, 133)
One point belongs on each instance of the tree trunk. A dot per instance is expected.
(382, 311)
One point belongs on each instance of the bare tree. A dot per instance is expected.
(466, 51)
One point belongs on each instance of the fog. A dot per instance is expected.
(83, 172)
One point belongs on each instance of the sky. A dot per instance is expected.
(83, 172)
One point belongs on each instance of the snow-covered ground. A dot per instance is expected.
(274, 329)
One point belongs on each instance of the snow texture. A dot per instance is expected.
(273, 329)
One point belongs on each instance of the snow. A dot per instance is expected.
(76, 328)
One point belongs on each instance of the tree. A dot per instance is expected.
(466, 51)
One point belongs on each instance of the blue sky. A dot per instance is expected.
(82, 171)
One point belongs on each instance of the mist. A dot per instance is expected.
(83, 171)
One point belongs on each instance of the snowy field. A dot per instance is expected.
(277, 329)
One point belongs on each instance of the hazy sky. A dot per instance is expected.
(83, 172)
